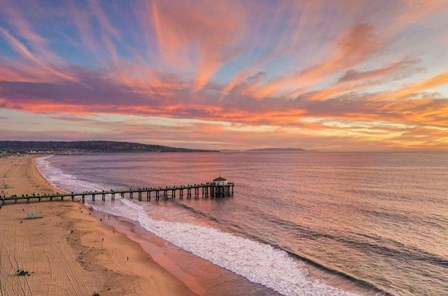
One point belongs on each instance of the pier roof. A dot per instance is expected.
(220, 179)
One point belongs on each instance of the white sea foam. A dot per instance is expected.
(62, 180)
(260, 263)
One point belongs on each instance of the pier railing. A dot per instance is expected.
(204, 190)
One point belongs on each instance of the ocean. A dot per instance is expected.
(305, 223)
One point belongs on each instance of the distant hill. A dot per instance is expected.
(278, 150)
(86, 147)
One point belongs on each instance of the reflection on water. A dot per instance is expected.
(377, 218)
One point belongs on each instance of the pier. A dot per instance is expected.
(219, 188)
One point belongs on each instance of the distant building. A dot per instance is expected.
(220, 181)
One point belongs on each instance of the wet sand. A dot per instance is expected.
(200, 275)
(68, 251)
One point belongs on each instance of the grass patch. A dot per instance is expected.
(6, 186)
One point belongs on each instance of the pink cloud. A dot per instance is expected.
(281, 71)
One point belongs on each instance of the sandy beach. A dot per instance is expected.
(68, 251)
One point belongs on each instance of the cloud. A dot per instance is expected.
(390, 69)
(248, 71)
(39, 44)
(354, 80)
(20, 48)
(96, 93)
(414, 88)
(210, 29)
(354, 46)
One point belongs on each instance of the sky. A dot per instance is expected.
(346, 75)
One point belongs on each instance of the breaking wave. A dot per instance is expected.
(258, 262)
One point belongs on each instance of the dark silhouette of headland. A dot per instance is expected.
(75, 147)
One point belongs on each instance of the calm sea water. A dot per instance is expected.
(377, 219)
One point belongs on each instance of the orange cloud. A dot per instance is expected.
(355, 45)
(354, 80)
(414, 89)
(206, 31)
(300, 69)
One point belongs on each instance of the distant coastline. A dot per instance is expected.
(84, 147)
(78, 147)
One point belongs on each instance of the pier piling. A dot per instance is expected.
(205, 190)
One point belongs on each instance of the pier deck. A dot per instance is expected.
(204, 190)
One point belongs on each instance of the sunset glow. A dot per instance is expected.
(323, 75)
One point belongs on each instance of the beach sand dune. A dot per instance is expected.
(68, 251)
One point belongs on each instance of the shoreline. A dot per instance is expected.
(199, 275)
(204, 278)
(69, 250)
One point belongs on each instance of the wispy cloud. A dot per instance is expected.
(249, 72)
(206, 33)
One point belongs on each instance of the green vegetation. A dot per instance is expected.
(6, 186)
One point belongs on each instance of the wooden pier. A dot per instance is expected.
(196, 191)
